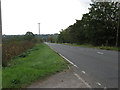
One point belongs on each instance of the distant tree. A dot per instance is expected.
(51, 39)
(29, 36)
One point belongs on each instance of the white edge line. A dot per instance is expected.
(98, 83)
(82, 80)
(68, 60)
(65, 58)
(75, 73)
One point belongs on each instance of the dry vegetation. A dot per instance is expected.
(14, 48)
(16, 45)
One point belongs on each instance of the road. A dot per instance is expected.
(65, 79)
(97, 67)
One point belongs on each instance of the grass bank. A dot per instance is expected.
(40, 62)
(97, 47)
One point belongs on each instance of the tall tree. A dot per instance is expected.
(98, 27)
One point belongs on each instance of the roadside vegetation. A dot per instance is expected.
(97, 47)
(25, 61)
(99, 28)
(16, 45)
(40, 62)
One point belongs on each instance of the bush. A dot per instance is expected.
(14, 48)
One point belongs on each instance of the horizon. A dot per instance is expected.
(19, 17)
(33, 33)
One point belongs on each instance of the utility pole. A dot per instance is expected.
(39, 28)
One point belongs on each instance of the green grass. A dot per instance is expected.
(108, 48)
(40, 62)
(97, 47)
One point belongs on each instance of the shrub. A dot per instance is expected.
(14, 48)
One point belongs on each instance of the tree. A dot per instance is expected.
(103, 22)
(98, 27)
(51, 39)
(29, 36)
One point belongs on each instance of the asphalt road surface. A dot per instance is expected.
(65, 79)
(97, 67)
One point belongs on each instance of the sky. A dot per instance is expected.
(20, 16)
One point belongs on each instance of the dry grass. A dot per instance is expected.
(40, 63)
(14, 48)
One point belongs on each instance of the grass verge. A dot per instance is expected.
(39, 63)
(97, 47)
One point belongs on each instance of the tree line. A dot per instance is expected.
(98, 27)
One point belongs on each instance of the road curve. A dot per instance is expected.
(97, 67)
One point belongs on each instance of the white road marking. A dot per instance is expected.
(100, 53)
(98, 83)
(83, 72)
(68, 60)
(82, 80)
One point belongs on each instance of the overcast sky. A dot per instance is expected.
(20, 16)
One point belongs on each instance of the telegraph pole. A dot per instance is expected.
(39, 28)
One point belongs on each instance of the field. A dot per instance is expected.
(39, 63)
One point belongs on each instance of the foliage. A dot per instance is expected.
(98, 27)
(50, 37)
(40, 62)
(16, 45)
(29, 36)
(14, 48)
